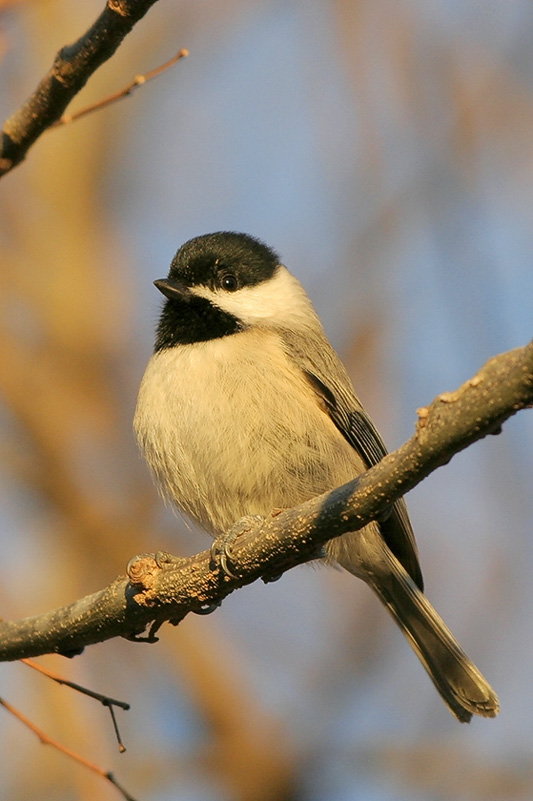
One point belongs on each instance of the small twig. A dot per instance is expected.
(139, 80)
(109, 705)
(46, 740)
(105, 700)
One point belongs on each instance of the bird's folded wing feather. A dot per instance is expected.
(331, 383)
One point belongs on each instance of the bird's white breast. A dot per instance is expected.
(228, 429)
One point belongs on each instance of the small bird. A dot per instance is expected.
(245, 408)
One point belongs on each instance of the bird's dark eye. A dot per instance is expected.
(229, 282)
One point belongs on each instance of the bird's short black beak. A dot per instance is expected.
(173, 290)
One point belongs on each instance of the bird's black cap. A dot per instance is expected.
(202, 259)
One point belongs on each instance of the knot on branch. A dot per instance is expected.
(120, 7)
(142, 570)
(144, 573)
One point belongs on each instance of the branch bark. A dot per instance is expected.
(163, 588)
(72, 67)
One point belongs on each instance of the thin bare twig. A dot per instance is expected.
(105, 700)
(139, 80)
(47, 740)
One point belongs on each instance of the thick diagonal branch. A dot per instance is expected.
(168, 589)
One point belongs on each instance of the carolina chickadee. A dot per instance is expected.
(245, 407)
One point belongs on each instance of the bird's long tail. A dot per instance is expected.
(455, 676)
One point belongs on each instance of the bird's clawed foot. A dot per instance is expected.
(221, 549)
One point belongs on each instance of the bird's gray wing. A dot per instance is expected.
(330, 381)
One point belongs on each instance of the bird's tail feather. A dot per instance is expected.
(455, 676)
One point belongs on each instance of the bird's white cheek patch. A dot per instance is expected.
(281, 299)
